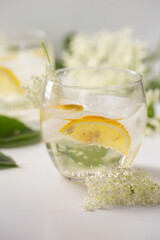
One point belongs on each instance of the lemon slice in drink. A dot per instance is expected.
(9, 84)
(95, 130)
(73, 107)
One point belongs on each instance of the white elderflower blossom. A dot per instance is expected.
(153, 121)
(104, 48)
(152, 96)
(153, 125)
(119, 186)
(35, 91)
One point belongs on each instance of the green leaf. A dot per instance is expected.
(67, 42)
(59, 64)
(151, 126)
(6, 161)
(14, 133)
(151, 111)
(154, 84)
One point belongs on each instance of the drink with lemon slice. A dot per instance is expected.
(89, 128)
(21, 57)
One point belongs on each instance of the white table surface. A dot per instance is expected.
(36, 203)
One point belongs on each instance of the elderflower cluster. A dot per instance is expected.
(153, 125)
(153, 122)
(152, 96)
(35, 91)
(105, 48)
(119, 186)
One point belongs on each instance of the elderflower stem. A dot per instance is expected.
(46, 52)
(35, 91)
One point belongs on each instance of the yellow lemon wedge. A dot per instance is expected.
(96, 130)
(9, 84)
(73, 107)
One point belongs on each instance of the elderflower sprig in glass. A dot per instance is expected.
(90, 128)
(34, 92)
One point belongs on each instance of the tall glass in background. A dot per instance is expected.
(21, 57)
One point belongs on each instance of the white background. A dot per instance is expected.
(36, 203)
(58, 17)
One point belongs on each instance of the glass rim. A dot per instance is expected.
(139, 76)
(36, 35)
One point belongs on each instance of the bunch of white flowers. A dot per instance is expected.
(105, 48)
(153, 121)
(152, 96)
(120, 186)
(35, 91)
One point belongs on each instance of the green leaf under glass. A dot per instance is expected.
(14, 133)
(6, 161)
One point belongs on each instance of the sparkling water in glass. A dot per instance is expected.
(93, 119)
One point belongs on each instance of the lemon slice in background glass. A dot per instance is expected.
(9, 84)
(9, 57)
(38, 53)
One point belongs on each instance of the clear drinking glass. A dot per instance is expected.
(93, 119)
(21, 57)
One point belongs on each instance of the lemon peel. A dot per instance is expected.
(73, 107)
(9, 84)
